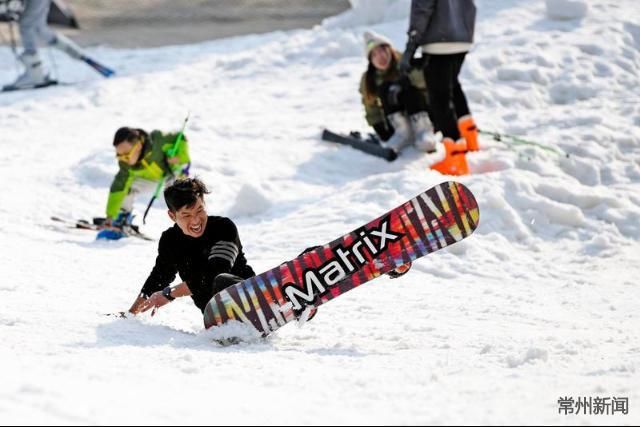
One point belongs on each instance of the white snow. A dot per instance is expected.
(541, 303)
(566, 9)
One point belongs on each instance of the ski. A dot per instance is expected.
(48, 83)
(105, 71)
(97, 224)
(371, 145)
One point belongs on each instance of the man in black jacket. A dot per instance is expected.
(204, 250)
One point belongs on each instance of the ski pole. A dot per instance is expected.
(517, 140)
(172, 153)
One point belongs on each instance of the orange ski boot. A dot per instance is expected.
(469, 131)
(455, 160)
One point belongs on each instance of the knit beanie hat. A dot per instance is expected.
(373, 40)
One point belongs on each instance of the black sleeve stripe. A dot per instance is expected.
(227, 252)
(223, 254)
(232, 247)
(233, 251)
(224, 250)
(225, 244)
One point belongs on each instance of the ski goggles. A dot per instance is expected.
(125, 157)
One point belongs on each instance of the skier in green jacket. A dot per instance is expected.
(144, 161)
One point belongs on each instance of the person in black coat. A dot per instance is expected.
(204, 250)
(444, 29)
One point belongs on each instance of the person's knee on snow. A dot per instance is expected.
(424, 135)
(224, 280)
(402, 135)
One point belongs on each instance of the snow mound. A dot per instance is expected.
(370, 12)
(531, 356)
(232, 332)
(249, 202)
(566, 9)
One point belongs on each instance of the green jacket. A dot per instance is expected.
(373, 105)
(152, 166)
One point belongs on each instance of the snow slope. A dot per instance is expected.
(541, 303)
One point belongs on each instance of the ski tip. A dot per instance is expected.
(105, 71)
(391, 156)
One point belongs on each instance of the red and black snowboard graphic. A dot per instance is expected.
(434, 219)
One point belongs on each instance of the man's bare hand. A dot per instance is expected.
(137, 305)
(154, 302)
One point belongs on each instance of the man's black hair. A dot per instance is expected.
(127, 134)
(184, 192)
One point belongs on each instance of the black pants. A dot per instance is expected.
(223, 281)
(220, 282)
(410, 100)
(448, 102)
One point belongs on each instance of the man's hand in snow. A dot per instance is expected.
(155, 301)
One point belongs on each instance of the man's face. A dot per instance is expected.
(192, 220)
(129, 152)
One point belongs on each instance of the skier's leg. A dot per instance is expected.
(223, 281)
(402, 136)
(402, 133)
(139, 186)
(66, 45)
(33, 25)
(34, 74)
(466, 123)
(439, 75)
(415, 104)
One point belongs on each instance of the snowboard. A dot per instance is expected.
(370, 145)
(434, 219)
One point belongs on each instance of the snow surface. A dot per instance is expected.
(566, 9)
(541, 303)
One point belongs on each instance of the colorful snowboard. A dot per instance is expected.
(439, 217)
